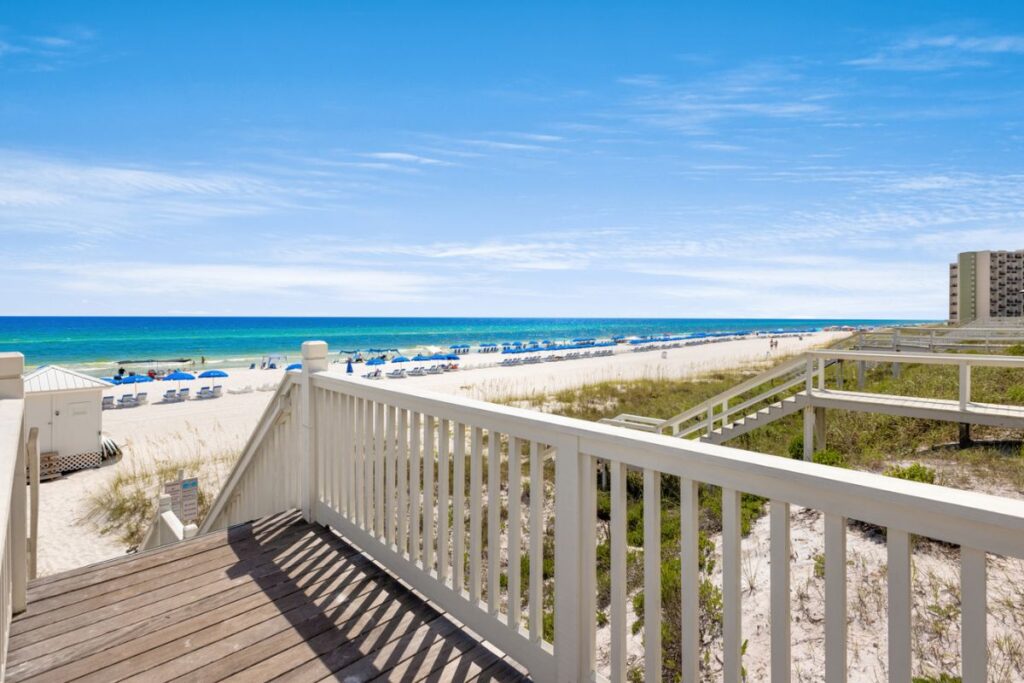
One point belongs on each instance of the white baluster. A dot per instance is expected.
(732, 635)
(652, 576)
(780, 591)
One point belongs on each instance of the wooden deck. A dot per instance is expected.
(274, 599)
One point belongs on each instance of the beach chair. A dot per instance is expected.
(126, 401)
(205, 392)
(170, 396)
(434, 370)
(183, 395)
(417, 372)
(142, 399)
(108, 403)
(397, 374)
(217, 390)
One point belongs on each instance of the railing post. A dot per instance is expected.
(965, 385)
(314, 360)
(575, 568)
(33, 478)
(12, 386)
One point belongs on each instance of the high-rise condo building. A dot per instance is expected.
(986, 285)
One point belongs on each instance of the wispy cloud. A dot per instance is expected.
(46, 52)
(405, 157)
(940, 52)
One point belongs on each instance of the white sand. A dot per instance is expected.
(214, 430)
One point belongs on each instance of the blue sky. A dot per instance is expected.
(524, 159)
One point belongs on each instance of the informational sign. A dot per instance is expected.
(173, 489)
(189, 500)
(184, 498)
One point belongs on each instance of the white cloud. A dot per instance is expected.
(940, 52)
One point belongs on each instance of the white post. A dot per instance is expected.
(314, 360)
(965, 385)
(33, 478)
(575, 507)
(808, 433)
(12, 386)
(809, 376)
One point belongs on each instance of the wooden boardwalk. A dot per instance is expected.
(276, 599)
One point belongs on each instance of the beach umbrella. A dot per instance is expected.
(375, 361)
(348, 368)
(136, 380)
(399, 359)
(420, 357)
(451, 356)
(293, 366)
(178, 376)
(212, 373)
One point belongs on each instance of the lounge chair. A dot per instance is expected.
(397, 374)
(108, 403)
(183, 395)
(170, 396)
(126, 401)
(217, 389)
(141, 399)
(205, 392)
(417, 372)
(434, 370)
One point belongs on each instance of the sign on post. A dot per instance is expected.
(189, 500)
(184, 495)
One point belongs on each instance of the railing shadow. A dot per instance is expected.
(344, 617)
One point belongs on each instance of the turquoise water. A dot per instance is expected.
(100, 343)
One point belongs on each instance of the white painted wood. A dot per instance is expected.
(652, 576)
(536, 597)
(781, 551)
(808, 433)
(538, 658)
(391, 474)
(493, 522)
(402, 540)
(475, 512)
(617, 606)
(974, 615)
(732, 635)
(366, 475)
(459, 510)
(689, 521)
(428, 492)
(965, 386)
(515, 492)
(574, 561)
(415, 492)
(443, 501)
(378, 471)
(898, 543)
(835, 598)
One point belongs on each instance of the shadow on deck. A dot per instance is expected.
(275, 598)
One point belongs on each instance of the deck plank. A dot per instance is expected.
(274, 599)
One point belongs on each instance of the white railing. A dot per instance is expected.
(454, 496)
(13, 503)
(265, 479)
(166, 527)
(719, 408)
(992, 339)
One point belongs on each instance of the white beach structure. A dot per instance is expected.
(66, 408)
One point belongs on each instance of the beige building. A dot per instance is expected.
(986, 285)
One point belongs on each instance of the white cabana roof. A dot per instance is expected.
(52, 378)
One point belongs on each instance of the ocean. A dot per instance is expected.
(96, 344)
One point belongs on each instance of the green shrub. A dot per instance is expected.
(942, 678)
(1015, 394)
(819, 566)
(831, 457)
(915, 472)
(1016, 350)
(796, 447)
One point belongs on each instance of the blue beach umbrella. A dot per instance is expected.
(293, 366)
(136, 379)
(375, 361)
(212, 373)
(399, 359)
(348, 368)
(178, 376)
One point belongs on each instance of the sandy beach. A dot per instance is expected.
(213, 431)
